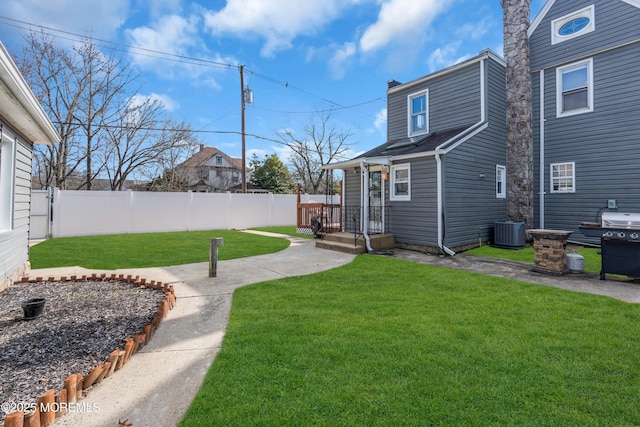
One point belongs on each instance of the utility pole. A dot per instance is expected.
(244, 154)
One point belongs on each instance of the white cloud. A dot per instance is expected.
(445, 57)
(170, 34)
(178, 36)
(97, 18)
(167, 103)
(381, 120)
(475, 30)
(401, 20)
(341, 59)
(278, 22)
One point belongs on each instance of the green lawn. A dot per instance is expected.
(112, 252)
(591, 256)
(388, 342)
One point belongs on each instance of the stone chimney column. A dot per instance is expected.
(516, 17)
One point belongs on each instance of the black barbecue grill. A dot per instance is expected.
(620, 244)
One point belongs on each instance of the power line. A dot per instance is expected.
(184, 59)
(348, 107)
(164, 55)
(150, 128)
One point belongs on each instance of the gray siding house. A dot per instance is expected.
(22, 123)
(438, 183)
(585, 57)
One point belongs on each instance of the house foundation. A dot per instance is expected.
(18, 273)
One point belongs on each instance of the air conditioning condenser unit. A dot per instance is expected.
(509, 234)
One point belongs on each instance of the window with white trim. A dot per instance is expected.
(563, 177)
(501, 182)
(576, 24)
(418, 113)
(218, 160)
(7, 168)
(400, 183)
(574, 88)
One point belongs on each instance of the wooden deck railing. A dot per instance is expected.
(329, 215)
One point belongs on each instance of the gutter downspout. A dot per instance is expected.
(542, 160)
(365, 205)
(440, 208)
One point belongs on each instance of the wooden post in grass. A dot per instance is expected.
(213, 256)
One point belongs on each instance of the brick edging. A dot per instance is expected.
(75, 384)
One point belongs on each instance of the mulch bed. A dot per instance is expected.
(82, 323)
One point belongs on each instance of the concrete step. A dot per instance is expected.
(378, 241)
(346, 238)
(348, 248)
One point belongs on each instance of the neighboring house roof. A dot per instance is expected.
(19, 107)
(207, 153)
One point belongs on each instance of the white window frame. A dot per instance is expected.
(394, 196)
(555, 179)
(501, 182)
(218, 160)
(410, 114)
(588, 63)
(556, 24)
(8, 147)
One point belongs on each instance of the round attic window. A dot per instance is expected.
(574, 26)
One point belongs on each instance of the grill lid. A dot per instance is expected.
(630, 221)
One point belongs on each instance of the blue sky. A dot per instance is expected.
(300, 56)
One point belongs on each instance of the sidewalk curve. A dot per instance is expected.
(159, 382)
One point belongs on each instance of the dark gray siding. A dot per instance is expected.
(535, 87)
(415, 222)
(604, 144)
(352, 188)
(471, 207)
(616, 23)
(454, 100)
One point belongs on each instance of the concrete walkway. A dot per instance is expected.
(159, 382)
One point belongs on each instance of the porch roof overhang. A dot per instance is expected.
(354, 163)
(408, 148)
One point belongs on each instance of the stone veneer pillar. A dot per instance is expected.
(549, 248)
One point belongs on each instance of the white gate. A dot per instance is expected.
(39, 216)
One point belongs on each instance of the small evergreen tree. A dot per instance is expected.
(271, 174)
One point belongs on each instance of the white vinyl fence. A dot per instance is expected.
(85, 213)
(39, 222)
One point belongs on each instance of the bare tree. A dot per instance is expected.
(48, 69)
(179, 144)
(81, 89)
(321, 143)
(519, 112)
(102, 81)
